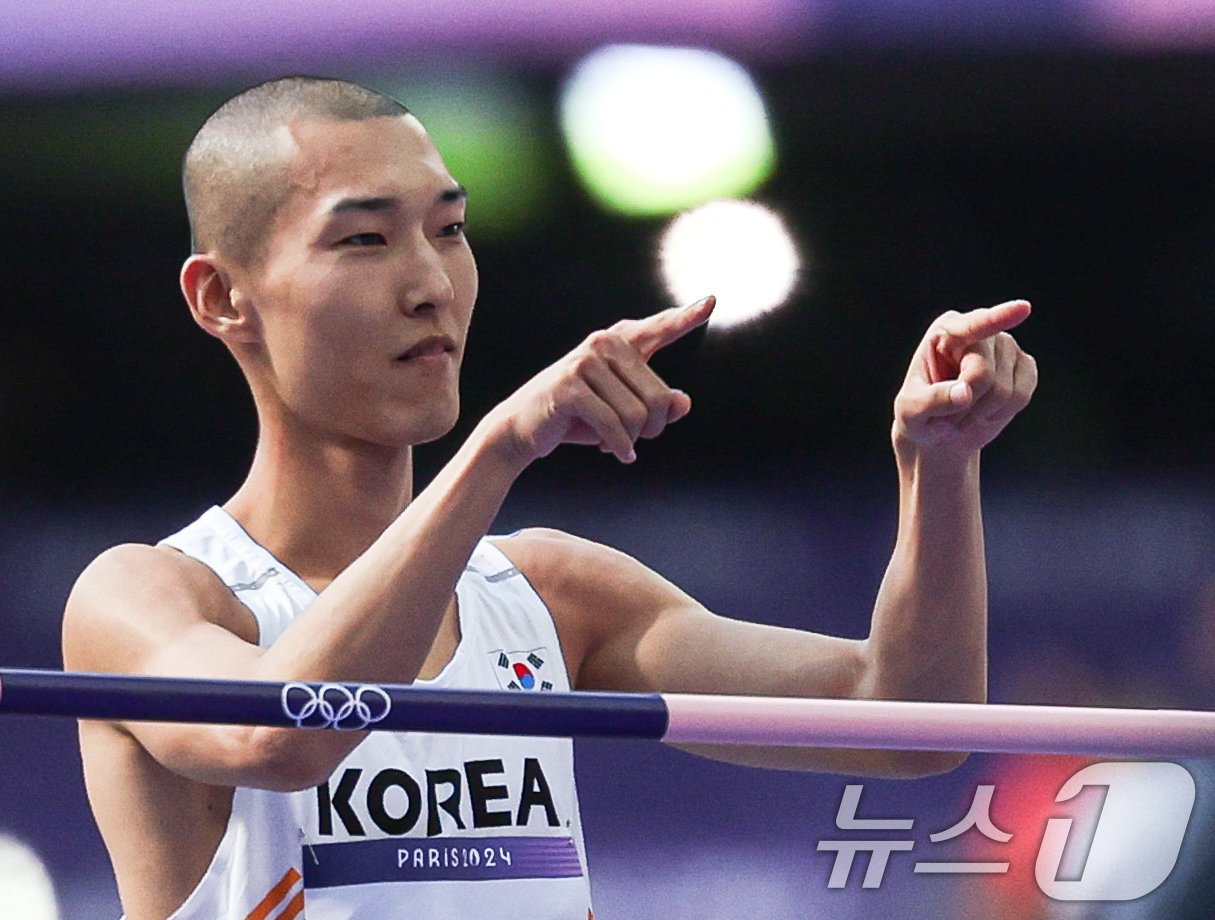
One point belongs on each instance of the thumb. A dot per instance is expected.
(938, 399)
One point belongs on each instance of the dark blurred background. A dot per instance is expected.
(927, 156)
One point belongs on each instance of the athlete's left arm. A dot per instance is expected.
(623, 627)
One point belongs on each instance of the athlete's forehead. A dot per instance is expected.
(336, 165)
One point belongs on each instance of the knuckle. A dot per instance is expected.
(583, 360)
(907, 407)
(605, 341)
(598, 339)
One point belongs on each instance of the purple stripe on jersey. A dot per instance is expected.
(434, 859)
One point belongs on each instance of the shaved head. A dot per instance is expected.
(235, 168)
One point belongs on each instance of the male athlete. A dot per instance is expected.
(329, 257)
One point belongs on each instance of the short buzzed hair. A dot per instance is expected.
(233, 171)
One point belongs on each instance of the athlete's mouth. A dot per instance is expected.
(431, 345)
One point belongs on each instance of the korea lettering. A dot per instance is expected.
(507, 824)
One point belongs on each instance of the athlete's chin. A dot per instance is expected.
(424, 427)
(434, 433)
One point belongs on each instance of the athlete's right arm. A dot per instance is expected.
(147, 610)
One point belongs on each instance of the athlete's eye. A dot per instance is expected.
(456, 229)
(364, 239)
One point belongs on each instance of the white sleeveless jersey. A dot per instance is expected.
(414, 826)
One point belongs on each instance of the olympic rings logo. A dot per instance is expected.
(335, 705)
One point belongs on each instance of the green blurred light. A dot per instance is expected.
(653, 131)
(491, 132)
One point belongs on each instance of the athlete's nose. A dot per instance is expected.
(427, 286)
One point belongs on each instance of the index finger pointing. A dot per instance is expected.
(985, 322)
(660, 330)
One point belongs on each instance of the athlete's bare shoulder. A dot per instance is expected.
(135, 597)
(570, 567)
(545, 552)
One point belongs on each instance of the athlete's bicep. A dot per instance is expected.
(636, 631)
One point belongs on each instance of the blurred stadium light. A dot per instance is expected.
(652, 130)
(26, 891)
(738, 250)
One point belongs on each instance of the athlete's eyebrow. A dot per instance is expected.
(364, 204)
(390, 203)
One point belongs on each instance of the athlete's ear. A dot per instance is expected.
(214, 301)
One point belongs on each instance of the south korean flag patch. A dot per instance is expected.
(522, 670)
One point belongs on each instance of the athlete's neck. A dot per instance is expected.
(315, 505)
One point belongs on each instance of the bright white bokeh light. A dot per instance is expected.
(739, 250)
(653, 130)
(25, 886)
